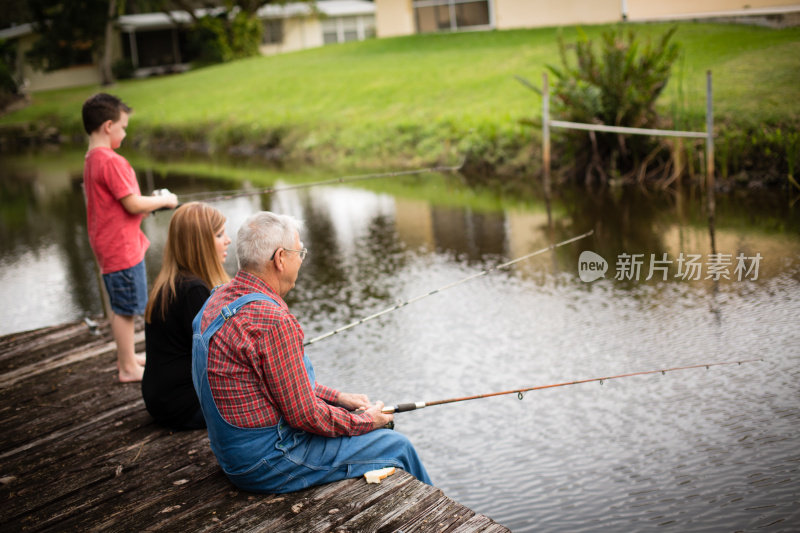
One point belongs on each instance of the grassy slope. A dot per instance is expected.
(426, 97)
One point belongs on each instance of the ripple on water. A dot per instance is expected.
(695, 450)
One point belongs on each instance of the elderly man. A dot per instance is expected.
(272, 427)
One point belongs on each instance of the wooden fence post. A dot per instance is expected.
(710, 162)
(546, 142)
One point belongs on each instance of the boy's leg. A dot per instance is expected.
(127, 293)
(123, 329)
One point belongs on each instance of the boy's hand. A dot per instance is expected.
(135, 204)
(170, 200)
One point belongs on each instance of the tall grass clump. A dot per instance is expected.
(615, 82)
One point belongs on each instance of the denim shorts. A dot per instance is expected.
(127, 290)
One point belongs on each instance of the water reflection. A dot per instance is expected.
(359, 238)
(712, 450)
(43, 243)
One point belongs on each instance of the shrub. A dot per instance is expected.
(616, 85)
(218, 39)
(8, 85)
(122, 69)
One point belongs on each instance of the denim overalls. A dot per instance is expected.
(280, 458)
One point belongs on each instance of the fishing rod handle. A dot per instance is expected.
(389, 425)
(402, 408)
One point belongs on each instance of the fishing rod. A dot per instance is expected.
(440, 289)
(231, 194)
(403, 407)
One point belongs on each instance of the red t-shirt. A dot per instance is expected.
(115, 235)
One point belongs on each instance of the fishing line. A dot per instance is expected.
(403, 407)
(231, 194)
(440, 289)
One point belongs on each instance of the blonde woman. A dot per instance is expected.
(194, 254)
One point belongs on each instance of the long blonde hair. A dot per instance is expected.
(190, 249)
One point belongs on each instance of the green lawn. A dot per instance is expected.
(430, 97)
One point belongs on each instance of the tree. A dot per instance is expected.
(75, 32)
(14, 12)
(233, 32)
(69, 33)
(105, 70)
(9, 91)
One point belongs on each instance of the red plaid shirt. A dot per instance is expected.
(256, 370)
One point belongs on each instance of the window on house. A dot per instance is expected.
(450, 15)
(349, 28)
(273, 32)
(345, 29)
(156, 48)
(330, 31)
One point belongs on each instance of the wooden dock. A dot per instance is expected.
(78, 452)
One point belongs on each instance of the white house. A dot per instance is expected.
(156, 43)
(406, 17)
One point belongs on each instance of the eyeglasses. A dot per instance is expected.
(303, 252)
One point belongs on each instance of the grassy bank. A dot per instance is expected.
(435, 98)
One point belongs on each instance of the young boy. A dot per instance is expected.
(114, 211)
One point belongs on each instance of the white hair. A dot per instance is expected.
(261, 235)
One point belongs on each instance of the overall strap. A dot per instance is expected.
(232, 308)
(222, 435)
(201, 339)
(226, 313)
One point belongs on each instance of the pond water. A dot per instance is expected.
(713, 449)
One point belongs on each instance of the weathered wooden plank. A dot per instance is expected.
(445, 515)
(39, 438)
(87, 487)
(241, 511)
(258, 512)
(34, 424)
(60, 397)
(213, 495)
(86, 466)
(209, 513)
(95, 432)
(326, 510)
(93, 374)
(37, 339)
(67, 427)
(395, 509)
(141, 502)
(58, 360)
(15, 353)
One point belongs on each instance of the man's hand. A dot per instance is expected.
(379, 419)
(352, 402)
